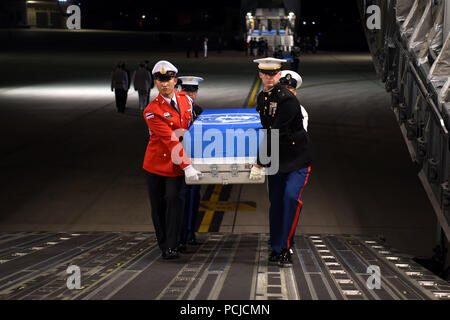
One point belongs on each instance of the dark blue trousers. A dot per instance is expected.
(285, 195)
(191, 195)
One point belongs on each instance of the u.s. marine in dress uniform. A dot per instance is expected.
(279, 109)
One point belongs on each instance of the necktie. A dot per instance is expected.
(172, 103)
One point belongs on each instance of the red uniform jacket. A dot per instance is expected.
(162, 120)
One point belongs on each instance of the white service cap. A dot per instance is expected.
(190, 80)
(165, 69)
(291, 78)
(269, 65)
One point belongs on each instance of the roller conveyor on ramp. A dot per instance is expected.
(225, 266)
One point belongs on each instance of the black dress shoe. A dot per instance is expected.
(285, 258)
(274, 256)
(170, 254)
(182, 248)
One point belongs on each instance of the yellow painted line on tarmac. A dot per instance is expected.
(209, 214)
(252, 100)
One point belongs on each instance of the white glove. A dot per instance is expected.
(255, 173)
(191, 173)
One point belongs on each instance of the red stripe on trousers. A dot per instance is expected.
(297, 213)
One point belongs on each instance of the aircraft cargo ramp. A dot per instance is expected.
(224, 266)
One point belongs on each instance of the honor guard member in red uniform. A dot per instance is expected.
(280, 109)
(189, 85)
(165, 159)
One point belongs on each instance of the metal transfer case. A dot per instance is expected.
(223, 144)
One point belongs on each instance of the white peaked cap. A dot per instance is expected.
(269, 63)
(163, 67)
(294, 75)
(190, 80)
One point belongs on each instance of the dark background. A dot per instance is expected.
(337, 23)
(170, 23)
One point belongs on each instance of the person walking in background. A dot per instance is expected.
(205, 48)
(315, 44)
(152, 84)
(142, 84)
(119, 85)
(124, 67)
